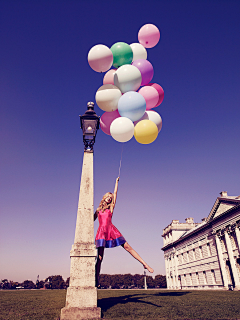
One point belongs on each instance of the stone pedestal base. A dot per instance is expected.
(73, 313)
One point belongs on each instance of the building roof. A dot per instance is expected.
(222, 205)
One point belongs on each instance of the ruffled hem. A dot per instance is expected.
(110, 243)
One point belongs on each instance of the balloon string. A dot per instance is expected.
(120, 162)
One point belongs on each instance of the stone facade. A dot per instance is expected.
(205, 255)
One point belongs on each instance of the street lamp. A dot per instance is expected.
(81, 298)
(89, 123)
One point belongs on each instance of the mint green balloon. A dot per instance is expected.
(122, 54)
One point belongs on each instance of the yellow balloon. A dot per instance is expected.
(145, 131)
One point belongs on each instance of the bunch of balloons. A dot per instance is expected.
(128, 111)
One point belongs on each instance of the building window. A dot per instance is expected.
(197, 278)
(213, 276)
(187, 256)
(208, 250)
(200, 252)
(180, 259)
(204, 277)
(194, 254)
(190, 276)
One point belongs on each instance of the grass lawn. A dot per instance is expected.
(125, 304)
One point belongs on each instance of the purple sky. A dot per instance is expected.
(46, 82)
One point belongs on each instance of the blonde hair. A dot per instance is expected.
(103, 205)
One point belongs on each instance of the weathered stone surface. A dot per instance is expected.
(81, 299)
(74, 313)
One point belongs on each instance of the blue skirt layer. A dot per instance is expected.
(110, 243)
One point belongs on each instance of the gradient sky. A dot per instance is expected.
(45, 84)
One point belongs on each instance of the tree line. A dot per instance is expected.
(107, 281)
(51, 282)
(129, 281)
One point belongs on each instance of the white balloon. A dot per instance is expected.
(107, 97)
(122, 129)
(100, 58)
(127, 78)
(139, 52)
(154, 117)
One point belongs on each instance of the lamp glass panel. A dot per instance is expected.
(89, 126)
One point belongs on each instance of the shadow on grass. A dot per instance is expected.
(172, 294)
(107, 303)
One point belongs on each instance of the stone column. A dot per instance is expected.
(237, 231)
(81, 299)
(173, 271)
(231, 258)
(176, 271)
(221, 261)
(167, 270)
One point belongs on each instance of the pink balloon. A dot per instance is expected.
(160, 92)
(151, 96)
(108, 78)
(106, 120)
(146, 69)
(148, 35)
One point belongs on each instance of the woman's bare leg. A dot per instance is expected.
(98, 264)
(128, 248)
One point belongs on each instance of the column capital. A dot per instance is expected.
(238, 224)
(227, 230)
(218, 234)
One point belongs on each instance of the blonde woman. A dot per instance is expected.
(108, 236)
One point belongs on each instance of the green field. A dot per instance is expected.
(126, 304)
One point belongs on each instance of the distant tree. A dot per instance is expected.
(160, 281)
(41, 284)
(128, 280)
(105, 280)
(150, 282)
(140, 282)
(5, 284)
(136, 278)
(14, 284)
(67, 282)
(55, 282)
(28, 284)
(117, 281)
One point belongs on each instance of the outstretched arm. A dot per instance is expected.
(114, 195)
(95, 215)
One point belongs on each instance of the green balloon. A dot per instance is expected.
(122, 54)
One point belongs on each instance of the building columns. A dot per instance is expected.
(237, 231)
(222, 263)
(176, 269)
(171, 272)
(167, 271)
(231, 258)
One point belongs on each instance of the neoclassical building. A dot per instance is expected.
(205, 255)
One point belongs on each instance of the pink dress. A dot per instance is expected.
(107, 235)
